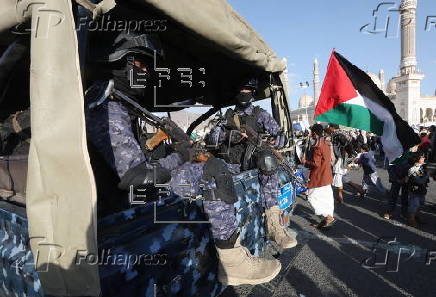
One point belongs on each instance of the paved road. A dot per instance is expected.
(332, 262)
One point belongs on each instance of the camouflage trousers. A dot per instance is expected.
(222, 216)
(109, 128)
(270, 189)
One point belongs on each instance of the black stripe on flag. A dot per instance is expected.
(367, 88)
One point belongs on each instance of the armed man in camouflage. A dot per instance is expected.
(108, 118)
(213, 180)
(235, 149)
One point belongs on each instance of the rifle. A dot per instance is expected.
(166, 129)
(255, 139)
(170, 129)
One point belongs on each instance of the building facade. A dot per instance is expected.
(404, 89)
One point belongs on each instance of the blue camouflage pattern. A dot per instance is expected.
(109, 128)
(171, 162)
(270, 184)
(264, 119)
(176, 245)
(244, 216)
(17, 265)
(176, 248)
(181, 258)
(186, 180)
(217, 135)
(250, 212)
(270, 189)
(222, 217)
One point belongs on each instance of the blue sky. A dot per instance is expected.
(304, 30)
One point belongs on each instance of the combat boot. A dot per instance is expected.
(238, 267)
(283, 237)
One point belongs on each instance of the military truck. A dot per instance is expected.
(66, 229)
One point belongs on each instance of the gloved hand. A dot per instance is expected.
(144, 175)
(174, 131)
(186, 151)
(154, 141)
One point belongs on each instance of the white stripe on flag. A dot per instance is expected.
(391, 145)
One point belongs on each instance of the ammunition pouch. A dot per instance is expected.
(215, 170)
(248, 162)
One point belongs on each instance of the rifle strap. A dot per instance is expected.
(237, 121)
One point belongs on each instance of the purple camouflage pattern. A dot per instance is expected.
(222, 217)
(270, 188)
(109, 128)
(186, 181)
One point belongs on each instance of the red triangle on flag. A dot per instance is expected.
(336, 89)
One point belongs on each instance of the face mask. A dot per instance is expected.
(131, 80)
(244, 99)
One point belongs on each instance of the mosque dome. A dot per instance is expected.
(305, 101)
(392, 87)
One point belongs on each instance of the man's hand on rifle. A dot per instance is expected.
(157, 138)
(174, 132)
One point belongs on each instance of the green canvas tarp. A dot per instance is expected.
(61, 193)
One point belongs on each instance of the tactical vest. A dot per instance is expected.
(236, 121)
(236, 152)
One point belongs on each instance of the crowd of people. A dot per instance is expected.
(329, 153)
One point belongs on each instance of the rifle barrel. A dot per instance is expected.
(153, 117)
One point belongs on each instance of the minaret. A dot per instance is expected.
(316, 83)
(381, 76)
(408, 84)
(408, 36)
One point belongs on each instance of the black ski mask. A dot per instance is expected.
(131, 80)
(243, 100)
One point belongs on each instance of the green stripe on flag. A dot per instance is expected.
(355, 116)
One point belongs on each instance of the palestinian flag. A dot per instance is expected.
(350, 98)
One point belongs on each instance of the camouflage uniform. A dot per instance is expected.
(109, 128)
(264, 120)
(186, 181)
(222, 217)
(269, 184)
(270, 189)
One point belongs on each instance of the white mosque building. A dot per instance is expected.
(404, 89)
